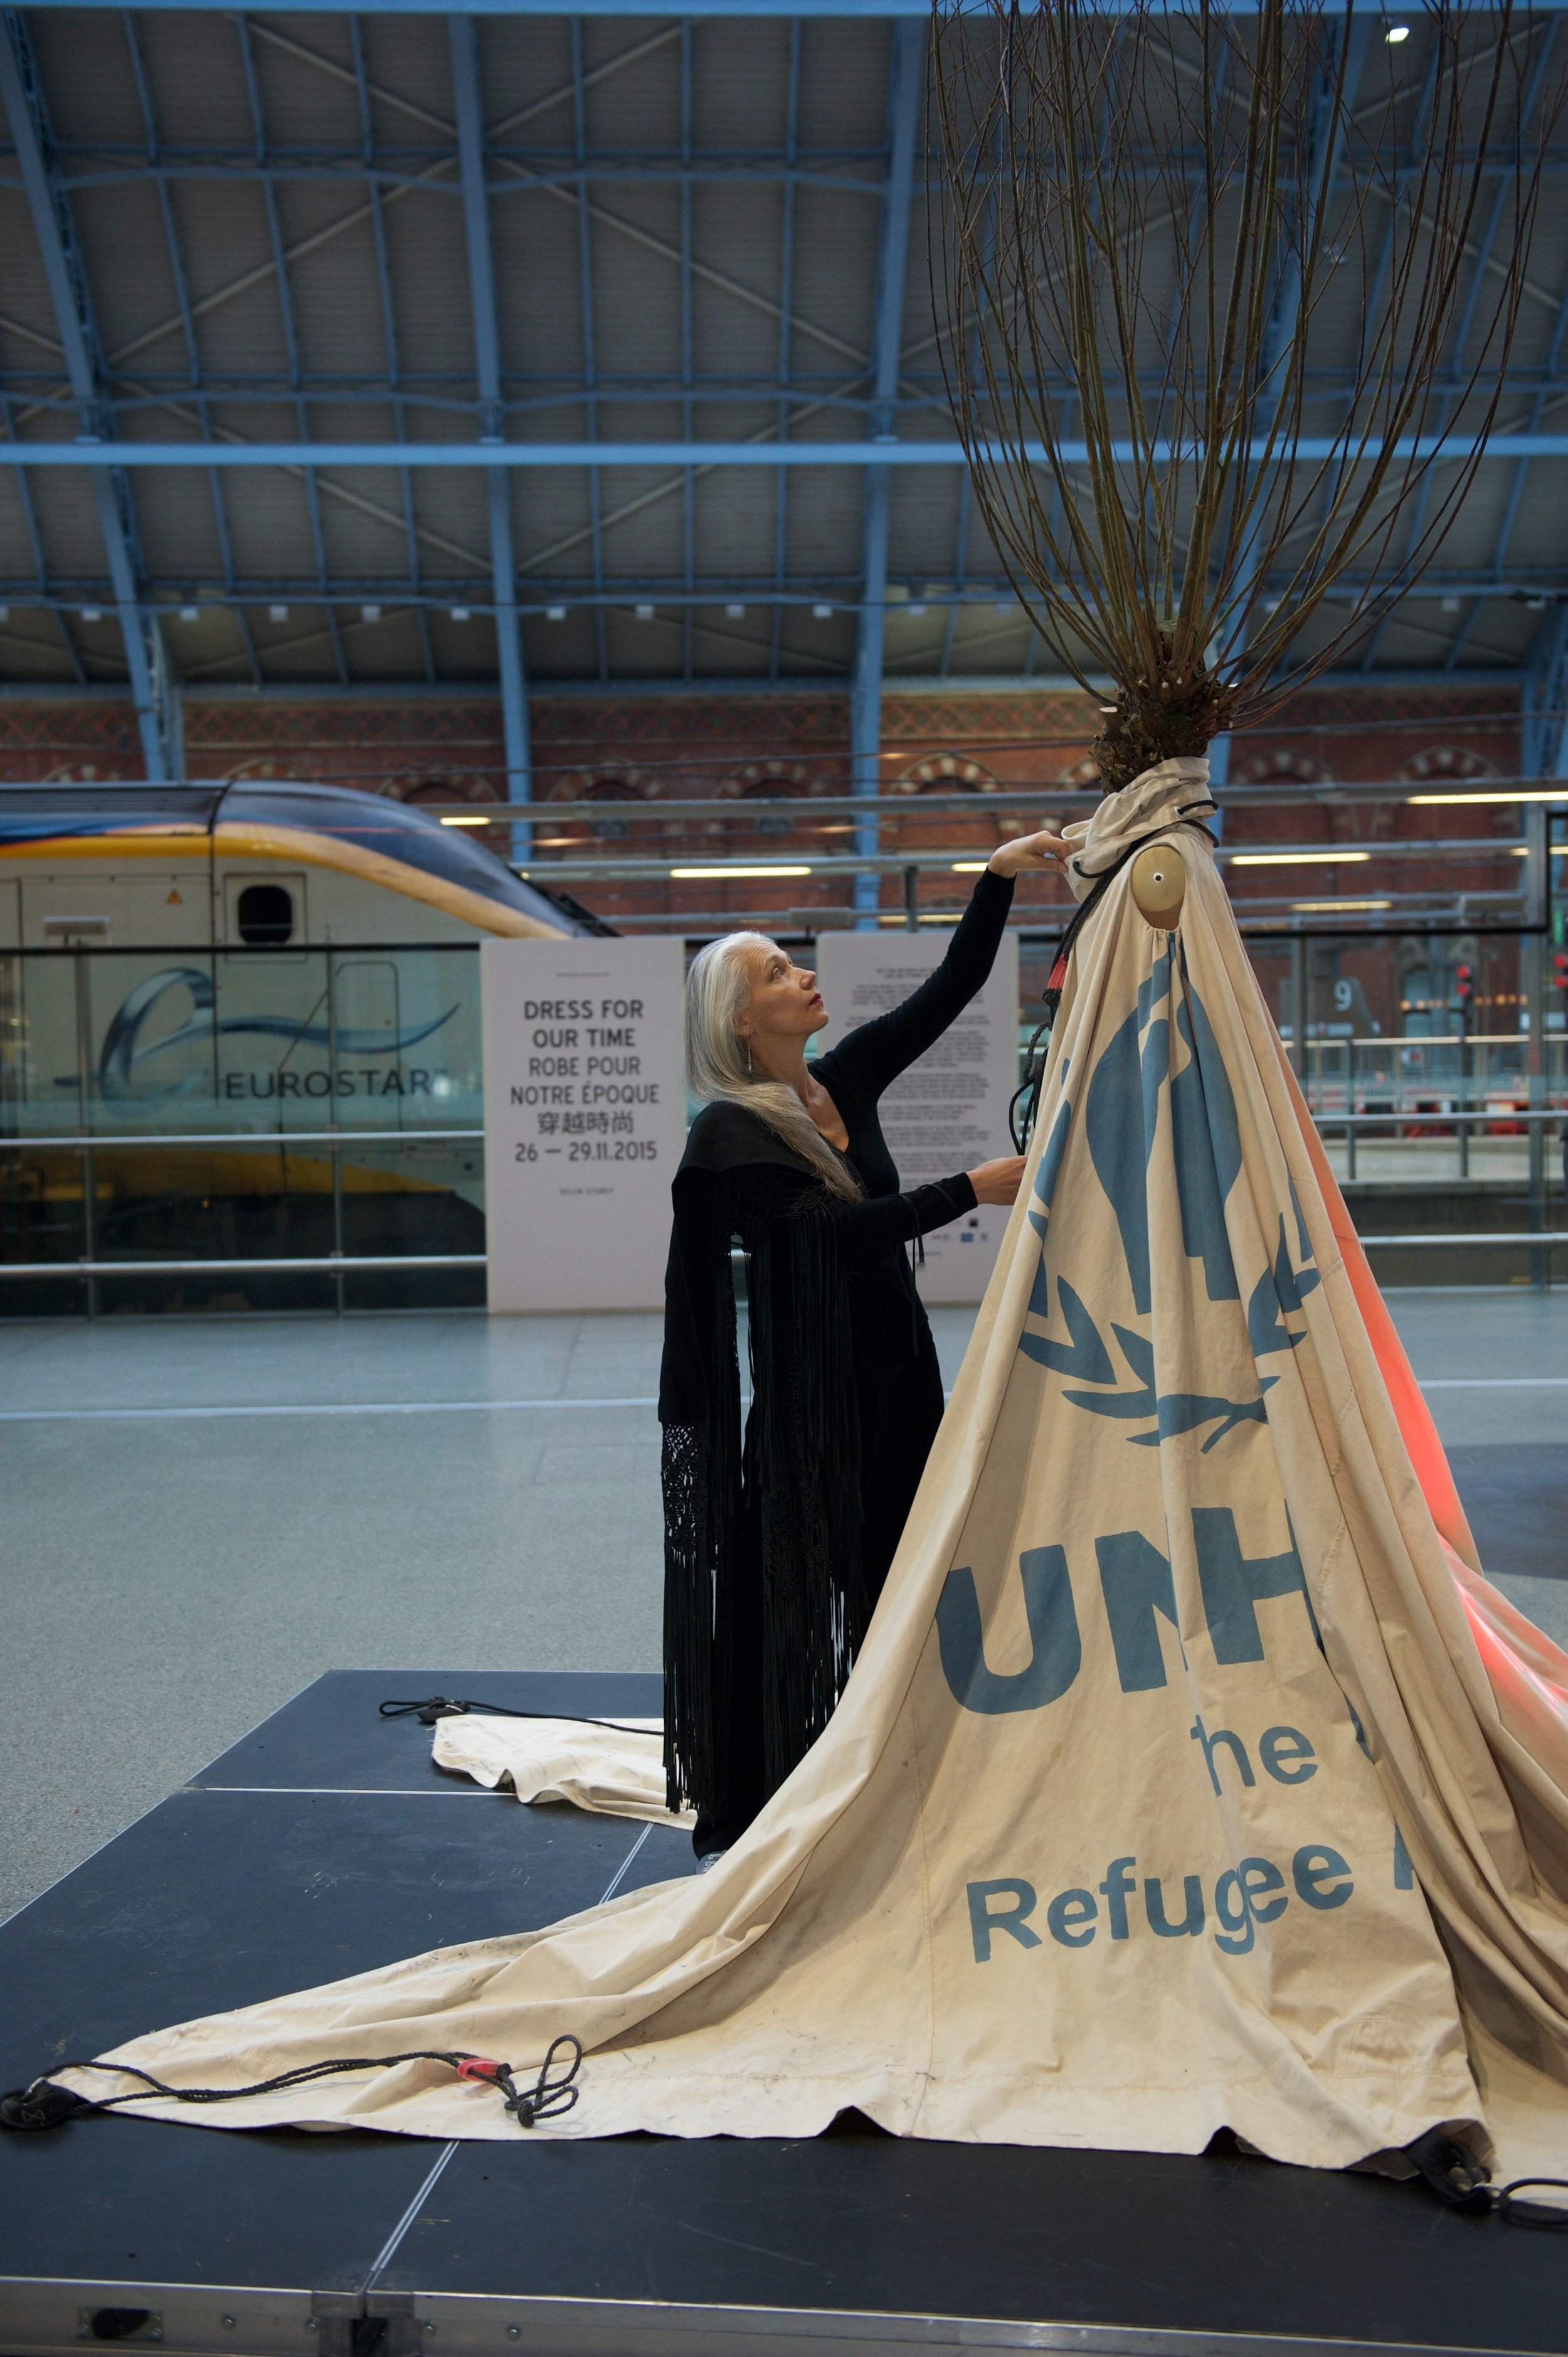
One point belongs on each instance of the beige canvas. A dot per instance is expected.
(614, 1771)
(1191, 1776)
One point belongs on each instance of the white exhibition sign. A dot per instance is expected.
(585, 1120)
(949, 1111)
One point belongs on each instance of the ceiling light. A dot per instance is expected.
(92, 613)
(1296, 858)
(1514, 794)
(1450, 605)
(695, 875)
(645, 613)
(823, 613)
(457, 818)
(1521, 850)
(917, 610)
(277, 613)
(1333, 908)
(969, 866)
(370, 613)
(5, 613)
(735, 613)
(555, 613)
(462, 613)
(1397, 32)
(191, 613)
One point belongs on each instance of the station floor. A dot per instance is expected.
(200, 1516)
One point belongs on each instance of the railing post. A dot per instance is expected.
(338, 1278)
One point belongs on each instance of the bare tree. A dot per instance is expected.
(1227, 298)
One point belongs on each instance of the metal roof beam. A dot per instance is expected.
(464, 42)
(52, 225)
(877, 456)
(916, 9)
(906, 90)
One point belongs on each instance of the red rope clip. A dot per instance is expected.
(474, 2066)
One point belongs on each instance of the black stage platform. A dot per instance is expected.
(326, 1843)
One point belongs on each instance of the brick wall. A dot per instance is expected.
(650, 748)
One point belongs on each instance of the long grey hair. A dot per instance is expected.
(718, 1068)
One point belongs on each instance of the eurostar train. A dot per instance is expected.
(255, 959)
(249, 864)
(208, 911)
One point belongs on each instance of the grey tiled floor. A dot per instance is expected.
(181, 1548)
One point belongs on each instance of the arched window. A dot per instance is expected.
(604, 781)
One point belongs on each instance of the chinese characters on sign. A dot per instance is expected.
(585, 1120)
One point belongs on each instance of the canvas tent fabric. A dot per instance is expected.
(1191, 1776)
(616, 1770)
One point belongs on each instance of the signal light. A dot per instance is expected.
(1560, 969)
(1464, 983)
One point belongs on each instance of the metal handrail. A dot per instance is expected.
(324, 1264)
(13, 1139)
(334, 1265)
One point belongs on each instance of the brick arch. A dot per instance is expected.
(1282, 768)
(606, 781)
(773, 779)
(430, 783)
(87, 773)
(947, 773)
(1436, 762)
(609, 783)
(1080, 777)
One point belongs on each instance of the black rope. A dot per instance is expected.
(44, 2104)
(436, 1707)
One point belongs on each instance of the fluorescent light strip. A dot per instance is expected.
(709, 875)
(456, 820)
(1297, 858)
(969, 866)
(1332, 907)
(1514, 794)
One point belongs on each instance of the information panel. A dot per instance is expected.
(949, 1111)
(585, 1120)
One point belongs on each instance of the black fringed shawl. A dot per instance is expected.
(797, 1528)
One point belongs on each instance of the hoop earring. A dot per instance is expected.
(750, 1074)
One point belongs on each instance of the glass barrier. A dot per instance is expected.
(262, 1106)
(149, 1041)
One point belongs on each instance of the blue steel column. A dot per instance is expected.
(904, 91)
(492, 420)
(145, 659)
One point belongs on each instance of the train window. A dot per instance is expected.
(263, 915)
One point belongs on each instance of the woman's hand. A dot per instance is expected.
(1028, 854)
(998, 1181)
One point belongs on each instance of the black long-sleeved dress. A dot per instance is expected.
(776, 1545)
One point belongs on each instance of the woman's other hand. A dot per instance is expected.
(1028, 854)
(998, 1181)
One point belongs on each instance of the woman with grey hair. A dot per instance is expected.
(778, 1540)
